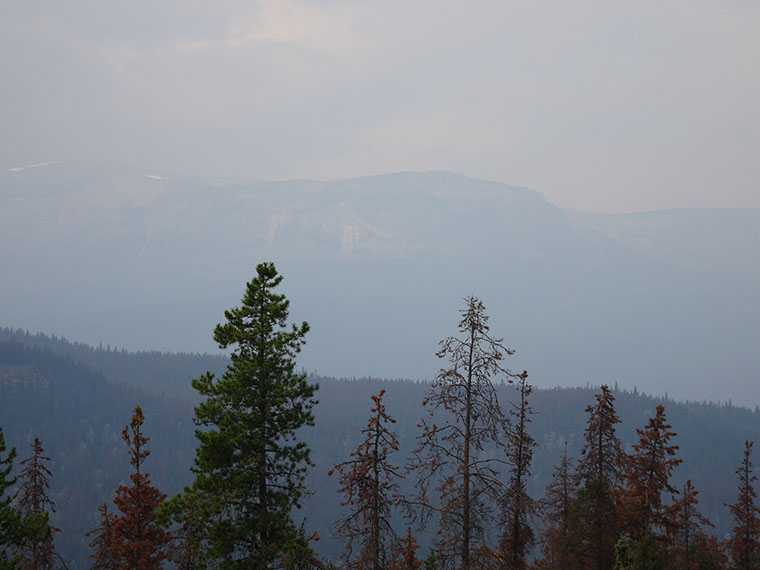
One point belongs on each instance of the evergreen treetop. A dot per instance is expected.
(10, 519)
(250, 465)
(33, 503)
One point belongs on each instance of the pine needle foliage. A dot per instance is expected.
(32, 501)
(11, 535)
(250, 464)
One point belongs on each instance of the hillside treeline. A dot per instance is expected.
(554, 478)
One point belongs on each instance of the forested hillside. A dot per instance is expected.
(153, 371)
(78, 412)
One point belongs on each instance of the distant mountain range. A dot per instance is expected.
(667, 301)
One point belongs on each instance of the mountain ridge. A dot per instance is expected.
(664, 300)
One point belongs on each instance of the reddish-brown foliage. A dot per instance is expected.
(744, 544)
(369, 482)
(710, 553)
(101, 541)
(405, 554)
(647, 477)
(464, 417)
(601, 454)
(133, 540)
(687, 541)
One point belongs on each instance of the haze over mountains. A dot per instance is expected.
(667, 301)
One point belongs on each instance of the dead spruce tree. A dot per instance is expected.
(369, 482)
(456, 455)
(517, 507)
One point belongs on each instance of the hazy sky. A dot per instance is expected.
(603, 106)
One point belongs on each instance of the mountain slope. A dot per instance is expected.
(666, 301)
(78, 414)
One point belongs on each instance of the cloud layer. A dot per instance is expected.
(601, 106)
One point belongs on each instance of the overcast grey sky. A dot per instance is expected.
(606, 106)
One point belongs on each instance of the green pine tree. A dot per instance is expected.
(250, 465)
(14, 528)
(9, 517)
(622, 554)
(37, 550)
(430, 562)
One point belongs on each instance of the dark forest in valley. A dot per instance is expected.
(77, 399)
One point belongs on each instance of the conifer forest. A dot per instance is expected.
(372, 285)
(263, 465)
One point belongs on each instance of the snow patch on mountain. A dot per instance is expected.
(17, 169)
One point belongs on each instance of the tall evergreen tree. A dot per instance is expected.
(32, 500)
(599, 470)
(11, 535)
(250, 465)
(15, 528)
(369, 482)
(744, 544)
(452, 457)
(186, 550)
